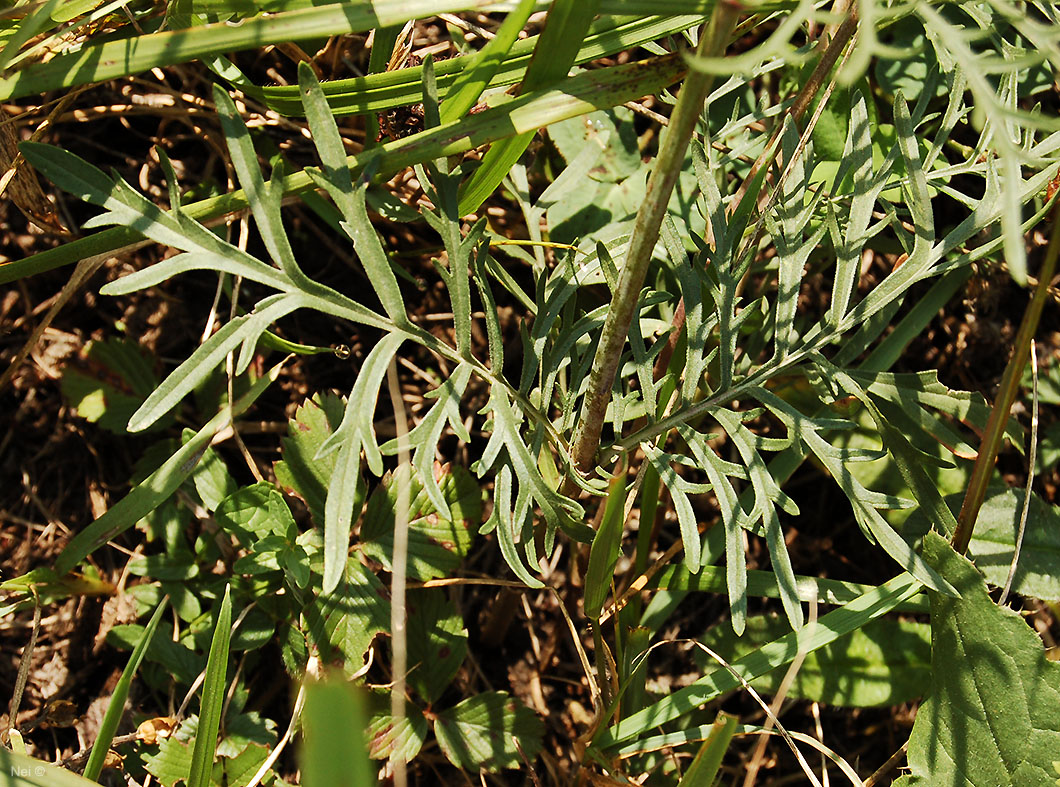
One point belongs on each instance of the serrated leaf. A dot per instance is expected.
(993, 714)
(254, 512)
(301, 471)
(212, 480)
(478, 732)
(404, 739)
(886, 662)
(991, 547)
(109, 382)
(437, 642)
(436, 544)
(343, 623)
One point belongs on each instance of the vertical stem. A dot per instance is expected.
(995, 425)
(399, 563)
(645, 234)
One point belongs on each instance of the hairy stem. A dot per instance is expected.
(645, 235)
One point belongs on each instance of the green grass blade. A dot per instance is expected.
(213, 697)
(711, 579)
(376, 92)
(580, 95)
(603, 555)
(157, 487)
(565, 28)
(704, 767)
(27, 29)
(483, 66)
(116, 708)
(111, 59)
(334, 752)
(829, 628)
(18, 770)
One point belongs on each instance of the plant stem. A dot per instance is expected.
(645, 235)
(1010, 383)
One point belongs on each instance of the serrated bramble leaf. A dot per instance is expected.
(436, 544)
(478, 732)
(437, 642)
(302, 471)
(401, 740)
(343, 623)
(254, 512)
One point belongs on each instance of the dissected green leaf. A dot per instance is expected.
(436, 545)
(993, 713)
(478, 732)
(886, 662)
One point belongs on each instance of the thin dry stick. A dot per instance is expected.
(778, 700)
(292, 728)
(1031, 458)
(398, 623)
(23, 668)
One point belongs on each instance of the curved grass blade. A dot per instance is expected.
(829, 628)
(483, 65)
(213, 697)
(110, 59)
(579, 95)
(109, 725)
(565, 28)
(603, 555)
(19, 770)
(157, 487)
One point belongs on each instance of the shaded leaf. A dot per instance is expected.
(436, 544)
(478, 732)
(885, 662)
(301, 471)
(993, 715)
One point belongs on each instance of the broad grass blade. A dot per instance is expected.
(158, 486)
(116, 708)
(334, 752)
(213, 697)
